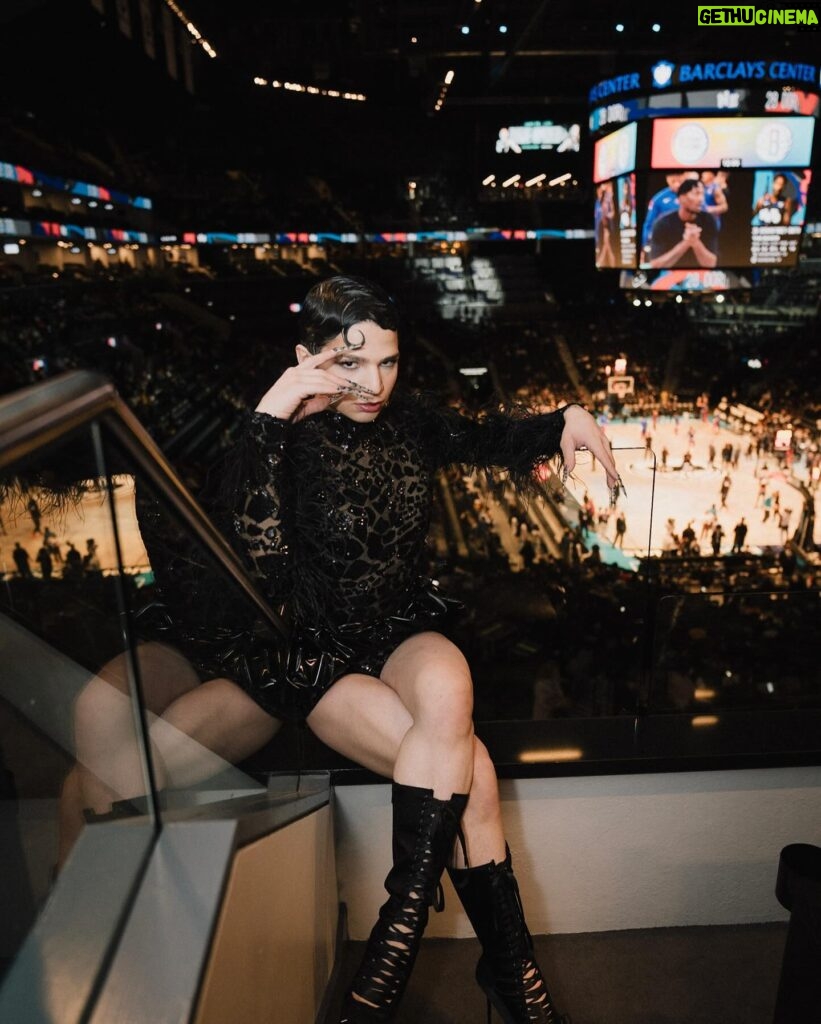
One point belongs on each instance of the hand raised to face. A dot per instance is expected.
(355, 374)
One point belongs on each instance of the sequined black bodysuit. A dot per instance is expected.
(333, 526)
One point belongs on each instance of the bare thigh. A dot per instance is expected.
(431, 677)
(221, 717)
(365, 718)
(165, 674)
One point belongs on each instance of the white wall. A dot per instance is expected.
(612, 852)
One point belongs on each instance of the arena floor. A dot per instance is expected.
(683, 495)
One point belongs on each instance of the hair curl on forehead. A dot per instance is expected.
(333, 306)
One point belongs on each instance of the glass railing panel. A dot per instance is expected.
(70, 731)
(199, 641)
(555, 591)
(737, 651)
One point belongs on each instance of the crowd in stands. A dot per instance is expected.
(578, 627)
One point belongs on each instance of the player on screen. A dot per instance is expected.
(777, 204)
(605, 225)
(715, 194)
(664, 201)
(627, 206)
(688, 237)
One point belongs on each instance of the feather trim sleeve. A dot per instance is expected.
(516, 440)
(257, 519)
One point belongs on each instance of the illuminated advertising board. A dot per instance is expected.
(684, 280)
(538, 135)
(615, 154)
(694, 143)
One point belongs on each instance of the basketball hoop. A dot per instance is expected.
(621, 386)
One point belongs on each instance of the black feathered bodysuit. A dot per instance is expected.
(333, 527)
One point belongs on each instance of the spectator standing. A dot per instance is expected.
(784, 523)
(73, 568)
(21, 560)
(716, 539)
(35, 513)
(44, 561)
(621, 529)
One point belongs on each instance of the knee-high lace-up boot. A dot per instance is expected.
(507, 971)
(424, 833)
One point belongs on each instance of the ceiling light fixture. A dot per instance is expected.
(191, 27)
(312, 90)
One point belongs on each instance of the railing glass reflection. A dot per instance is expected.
(62, 637)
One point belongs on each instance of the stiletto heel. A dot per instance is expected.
(489, 1011)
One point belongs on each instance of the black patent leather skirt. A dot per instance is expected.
(288, 679)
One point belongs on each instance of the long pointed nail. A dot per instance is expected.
(565, 474)
(361, 387)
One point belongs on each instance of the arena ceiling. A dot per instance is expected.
(502, 52)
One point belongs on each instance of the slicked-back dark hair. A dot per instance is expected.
(333, 306)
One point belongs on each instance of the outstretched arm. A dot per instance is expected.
(519, 443)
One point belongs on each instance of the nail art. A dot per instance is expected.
(621, 485)
(361, 387)
(565, 475)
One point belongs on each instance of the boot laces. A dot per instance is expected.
(517, 973)
(395, 939)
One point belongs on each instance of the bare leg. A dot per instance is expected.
(223, 722)
(195, 729)
(415, 725)
(363, 719)
(108, 754)
(104, 732)
(431, 677)
(70, 820)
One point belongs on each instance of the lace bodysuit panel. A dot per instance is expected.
(336, 513)
(338, 526)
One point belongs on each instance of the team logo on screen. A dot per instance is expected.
(662, 73)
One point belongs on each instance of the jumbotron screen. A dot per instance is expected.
(721, 193)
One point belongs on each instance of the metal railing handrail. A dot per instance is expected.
(37, 416)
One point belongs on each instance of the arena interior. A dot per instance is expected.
(172, 182)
